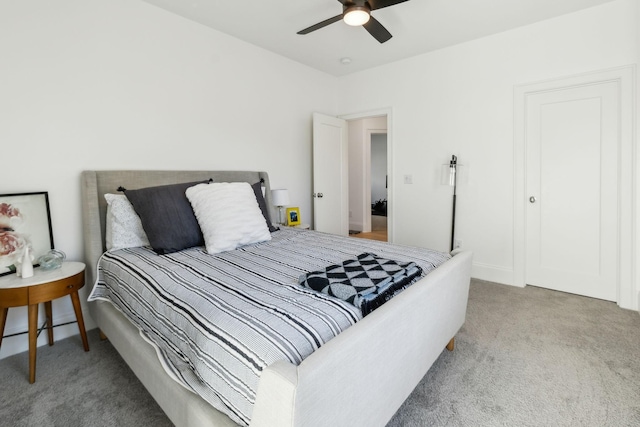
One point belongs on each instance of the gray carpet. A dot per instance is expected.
(75, 389)
(525, 357)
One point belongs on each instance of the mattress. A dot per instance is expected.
(217, 321)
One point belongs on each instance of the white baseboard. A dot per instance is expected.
(492, 273)
(505, 276)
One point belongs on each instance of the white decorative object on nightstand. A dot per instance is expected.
(26, 267)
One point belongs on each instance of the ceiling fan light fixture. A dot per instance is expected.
(356, 15)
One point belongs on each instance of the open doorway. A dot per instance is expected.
(379, 188)
(369, 189)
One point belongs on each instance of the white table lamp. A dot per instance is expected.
(280, 198)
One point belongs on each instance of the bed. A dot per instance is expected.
(347, 381)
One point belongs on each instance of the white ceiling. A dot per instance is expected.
(417, 26)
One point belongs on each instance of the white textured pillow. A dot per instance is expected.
(228, 214)
(123, 228)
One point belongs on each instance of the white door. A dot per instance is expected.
(572, 153)
(330, 175)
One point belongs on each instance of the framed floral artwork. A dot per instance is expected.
(25, 221)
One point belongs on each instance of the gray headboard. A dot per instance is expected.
(95, 184)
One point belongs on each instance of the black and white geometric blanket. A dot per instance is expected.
(367, 282)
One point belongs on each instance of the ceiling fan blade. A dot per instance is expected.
(379, 4)
(321, 24)
(376, 29)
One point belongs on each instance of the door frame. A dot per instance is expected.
(624, 78)
(391, 181)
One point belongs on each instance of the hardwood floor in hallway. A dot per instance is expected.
(378, 229)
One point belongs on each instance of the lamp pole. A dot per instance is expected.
(453, 178)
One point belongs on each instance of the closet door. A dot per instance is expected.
(572, 186)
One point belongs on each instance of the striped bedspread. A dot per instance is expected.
(218, 320)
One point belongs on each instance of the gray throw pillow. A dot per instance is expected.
(257, 189)
(167, 216)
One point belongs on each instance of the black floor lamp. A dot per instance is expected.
(453, 181)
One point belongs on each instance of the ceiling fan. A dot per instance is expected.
(358, 12)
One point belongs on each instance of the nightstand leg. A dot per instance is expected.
(76, 307)
(48, 312)
(33, 337)
(3, 319)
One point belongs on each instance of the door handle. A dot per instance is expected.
(532, 199)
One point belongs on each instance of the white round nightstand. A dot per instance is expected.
(44, 286)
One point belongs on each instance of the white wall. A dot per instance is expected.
(116, 84)
(459, 101)
(360, 169)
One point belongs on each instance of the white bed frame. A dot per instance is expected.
(359, 378)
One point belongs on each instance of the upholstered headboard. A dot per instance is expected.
(95, 184)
